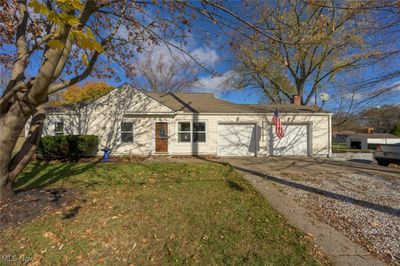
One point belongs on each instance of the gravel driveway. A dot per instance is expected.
(363, 202)
(364, 207)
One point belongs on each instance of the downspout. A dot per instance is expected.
(257, 141)
(329, 135)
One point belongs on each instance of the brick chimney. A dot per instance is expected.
(296, 100)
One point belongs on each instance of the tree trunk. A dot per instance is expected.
(6, 190)
(10, 132)
(12, 123)
(300, 90)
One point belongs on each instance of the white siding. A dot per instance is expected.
(320, 135)
(295, 141)
(384, 141)
(71, 124)
(237, 139)
(210, 147)
(365, 141)
(318, 124)
(103, 118)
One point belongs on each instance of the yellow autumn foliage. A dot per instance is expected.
(89, 91)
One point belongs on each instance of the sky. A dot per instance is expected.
(211, 49)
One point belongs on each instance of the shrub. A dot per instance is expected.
(396, 130)
(68, 146)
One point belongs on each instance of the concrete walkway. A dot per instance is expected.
(341, 250)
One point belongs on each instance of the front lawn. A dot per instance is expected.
(154, 213)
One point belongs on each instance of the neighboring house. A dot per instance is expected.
(341, 136)
(129, 121)
(369, 141)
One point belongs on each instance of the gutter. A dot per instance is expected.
(268, 113)
(58, 113)
(148, 114)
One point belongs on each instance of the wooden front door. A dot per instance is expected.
(161, 137)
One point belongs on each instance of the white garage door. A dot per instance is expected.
(236, 140)
(293, 143)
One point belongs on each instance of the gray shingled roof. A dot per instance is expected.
(62, 108)
(208, 103)
(204, 103)
(344, 133)
(377, 136)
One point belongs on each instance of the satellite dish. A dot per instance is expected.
(324, 97)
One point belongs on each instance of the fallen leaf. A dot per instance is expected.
(36, 261)
(374, 224)
(79, 257)
(49, 235)
(309, 235)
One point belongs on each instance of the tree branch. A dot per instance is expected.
(86, 13)
(62, 85)
(19, 65)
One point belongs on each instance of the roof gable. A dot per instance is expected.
(141, 102)
(126, 98)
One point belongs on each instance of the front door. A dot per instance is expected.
(161, 137)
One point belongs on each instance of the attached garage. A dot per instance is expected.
(295, 142)
(194, 124)
(237, 139)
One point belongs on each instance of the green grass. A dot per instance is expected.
(351, 150)
(166, 213)
(342, 148)
(339, 146)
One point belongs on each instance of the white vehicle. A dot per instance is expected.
(386, 154)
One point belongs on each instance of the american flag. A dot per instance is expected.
(278, 125)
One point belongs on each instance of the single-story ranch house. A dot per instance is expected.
(369, 141)
(129, 121)
(341, 136)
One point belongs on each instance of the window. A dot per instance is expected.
(59, 128)
(184, 132)
(126, 132)
(199, 132)
(191, 132)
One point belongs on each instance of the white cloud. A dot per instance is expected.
(197, 57)
(192, 53)
(215, 84)
(201, 55)
(205, 56)
(355, 96)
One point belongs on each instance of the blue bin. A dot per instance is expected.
(106, 154)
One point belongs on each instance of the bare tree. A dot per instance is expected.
(323, 40)
(165, 72)
(382, 119)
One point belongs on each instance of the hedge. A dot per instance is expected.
(68, 146)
